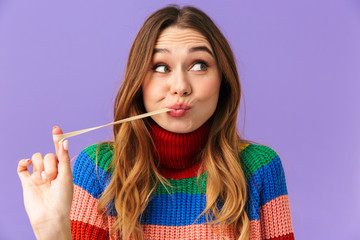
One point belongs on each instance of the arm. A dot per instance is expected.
(275, 216)
(268, 202)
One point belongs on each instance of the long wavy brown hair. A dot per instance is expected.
(135, 173)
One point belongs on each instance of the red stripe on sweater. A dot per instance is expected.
(289, 236)
(181, 174)
(85, 231)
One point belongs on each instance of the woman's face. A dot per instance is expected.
(183, 76)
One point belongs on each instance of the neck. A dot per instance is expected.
(178, 151)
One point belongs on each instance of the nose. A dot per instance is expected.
(180, 84)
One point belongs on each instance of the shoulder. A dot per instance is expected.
(255, 157)
(264, 172)
(92, 170)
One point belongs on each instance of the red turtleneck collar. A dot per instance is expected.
(179, 154)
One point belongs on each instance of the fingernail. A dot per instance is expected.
(66, 145)
(43, 175)
(27, 160)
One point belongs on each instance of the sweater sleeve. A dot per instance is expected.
(90, 179)
(268, 202)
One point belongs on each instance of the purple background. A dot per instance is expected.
(61, 62)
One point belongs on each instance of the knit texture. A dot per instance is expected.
(172, 213)
(178, 154)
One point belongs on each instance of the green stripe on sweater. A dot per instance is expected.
(186, 185)
(105, 155)
(253, 158)
(256, 156)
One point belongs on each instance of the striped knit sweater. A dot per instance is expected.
(172, 216)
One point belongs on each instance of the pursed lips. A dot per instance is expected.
(178, 109)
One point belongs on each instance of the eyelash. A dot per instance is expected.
(153, 68)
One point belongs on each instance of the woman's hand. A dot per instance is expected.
(48, 191)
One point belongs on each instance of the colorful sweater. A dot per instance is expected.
(172, 216)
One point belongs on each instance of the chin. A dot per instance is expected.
(177, 130)
(177, 126)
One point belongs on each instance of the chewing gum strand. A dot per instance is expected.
(61, 137)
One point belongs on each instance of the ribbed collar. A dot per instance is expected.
(179, 151)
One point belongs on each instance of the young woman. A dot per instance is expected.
(184, 174)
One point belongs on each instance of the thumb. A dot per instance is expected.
(61, 148)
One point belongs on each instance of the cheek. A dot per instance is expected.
(153, 93)
(148, 87)
(153, 90)
(209, 89)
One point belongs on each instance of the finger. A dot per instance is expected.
(57, 131)
(61, 148)
(22, 170)
(50, 166)
(38, 162)
(64, 159)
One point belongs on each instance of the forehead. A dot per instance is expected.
(174, 36)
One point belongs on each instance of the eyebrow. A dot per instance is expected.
(160, 50)
(193, 49)
(201, 48)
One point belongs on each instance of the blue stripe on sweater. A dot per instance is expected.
(89, 177)
(178, 209)
(266, 184)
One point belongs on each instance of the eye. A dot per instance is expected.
(199, 66)
(161, 68)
